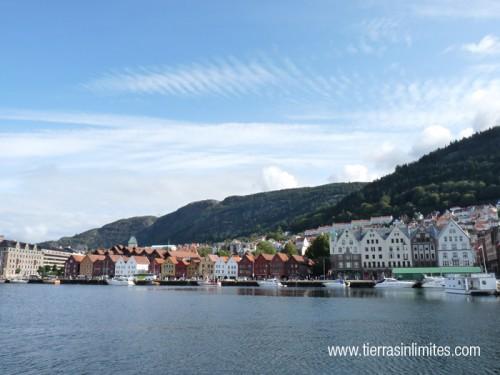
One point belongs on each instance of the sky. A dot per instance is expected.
(125, 108)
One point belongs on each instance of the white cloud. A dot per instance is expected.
(354, 173)
(488, 45)
(430, 139)
(275, 178)
(465, 133)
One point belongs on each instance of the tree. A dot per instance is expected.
(319, 248)
(54, 268)
(18, 271)
(223, 253)
(265, 247)
(41, 271)
(290, 249)
(204, 251)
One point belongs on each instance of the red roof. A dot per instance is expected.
(282, 256)
(78, 258)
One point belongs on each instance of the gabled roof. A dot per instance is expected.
(77, 258)
(114, 258)
(281, 256)
(159, 260)
(95, 257)
(267, 257)
(298, 258)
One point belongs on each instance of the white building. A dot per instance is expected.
(130, 266)
(454, 247)
(18, 259)
(370, 249)
(226, 267)
(302, 243)
(56, 258)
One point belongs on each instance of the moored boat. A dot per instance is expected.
(270, 283)
(120, 281)
(209, 283)
(52, 281)
(390, 282)
(18, 281)
(475, 284)
(335, 284)
(436, 282)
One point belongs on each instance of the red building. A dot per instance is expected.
(155, 266)
(278, 265)
(109, 265)
(262, 266)
(181, 269)
(298, 267)
(246, 266)
(72, 266)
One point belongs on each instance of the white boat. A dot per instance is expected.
(120, 281)
(334, 284)
(433, 282)
(478, 283)
(209, 283)
(18, 281)
(270, 283)
(390, 282)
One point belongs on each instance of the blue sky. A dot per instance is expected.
(122, 108)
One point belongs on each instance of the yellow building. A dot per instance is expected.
(207, 266)
(168, 268)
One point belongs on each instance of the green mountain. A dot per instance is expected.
(111, 234)
(464, 173)
(212, 220)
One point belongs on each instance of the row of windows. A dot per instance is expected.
(389, 264)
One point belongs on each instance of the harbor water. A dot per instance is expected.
(79, 329)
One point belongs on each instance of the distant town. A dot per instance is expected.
(458, 240)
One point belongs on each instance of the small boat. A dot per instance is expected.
(209, 283)
(433, 282)
(18, 281)
(52, 281)
(335, 284)
(120, 281)
(475, 284)
(270, 283)
(389, 282)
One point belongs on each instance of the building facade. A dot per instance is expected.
(19, 260)
(72, 266)
(454, 246)
(424, 246)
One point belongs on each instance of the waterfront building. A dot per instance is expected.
(58, 258)
(298, 267)
(424, 246)
(369, 251)
(246, 266)
(262, 266)
(278, 267)
(155, 266)
(181, 269)
(454, 246)
(92, 265)
(207, 266)
(72, 266)
(130, 266)
(220, 268)
(193, 268)
(232, 265)
(345, 252)
(19, 259)
(168, 268)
